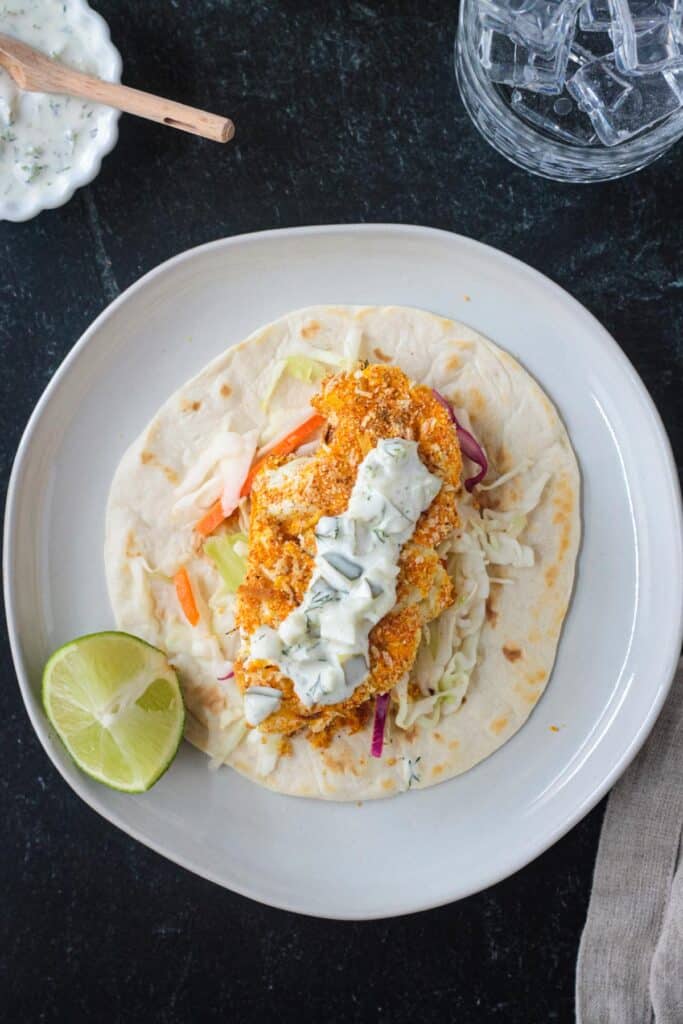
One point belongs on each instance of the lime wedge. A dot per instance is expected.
(116, 705)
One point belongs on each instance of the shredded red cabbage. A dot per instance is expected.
(468, 444)
(222, 679)
(381, 708)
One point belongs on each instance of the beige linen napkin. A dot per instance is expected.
(630, 966)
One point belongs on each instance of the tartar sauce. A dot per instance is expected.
(322, 646)
(42, 137)
(260, 702)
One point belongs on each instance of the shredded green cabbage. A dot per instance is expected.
(228, 553)
(497, 532)
(278, 370)
(500, 545)
(301, 365)
(308, 363)
(320, 355)
(448, 653)
(222, 612)
(444, 665)
(230, 739)
(352, 343)
(304, 368)
(521, 467)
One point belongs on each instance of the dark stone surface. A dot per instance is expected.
(345, 112)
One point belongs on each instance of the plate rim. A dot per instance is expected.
(600, 336)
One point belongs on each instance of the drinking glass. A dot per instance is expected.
(492, 108)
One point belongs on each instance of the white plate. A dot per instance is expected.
(622, 635)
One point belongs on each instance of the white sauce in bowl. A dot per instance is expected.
(322, 646)
(50, 144)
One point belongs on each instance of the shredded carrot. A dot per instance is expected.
(183, 589)
(213, 518)
(215, 515)
(287, 445)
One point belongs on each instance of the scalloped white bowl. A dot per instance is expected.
(109, 64)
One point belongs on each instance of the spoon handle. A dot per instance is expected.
(144, 104)
(32, 70)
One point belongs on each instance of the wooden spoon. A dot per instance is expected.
(33, 71)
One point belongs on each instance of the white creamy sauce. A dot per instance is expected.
(259, 702)
(43, 136)
(322, 646)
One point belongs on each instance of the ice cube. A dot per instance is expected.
(598, 44)
(559, 116)
(537, 25)
(595, 16)
(621, 106)
(646, 34)
(582, 54)
(644, 13)
(512, 64)
(643, 51)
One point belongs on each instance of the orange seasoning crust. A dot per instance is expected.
(289, 496)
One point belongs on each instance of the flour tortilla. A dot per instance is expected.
(158, 492)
